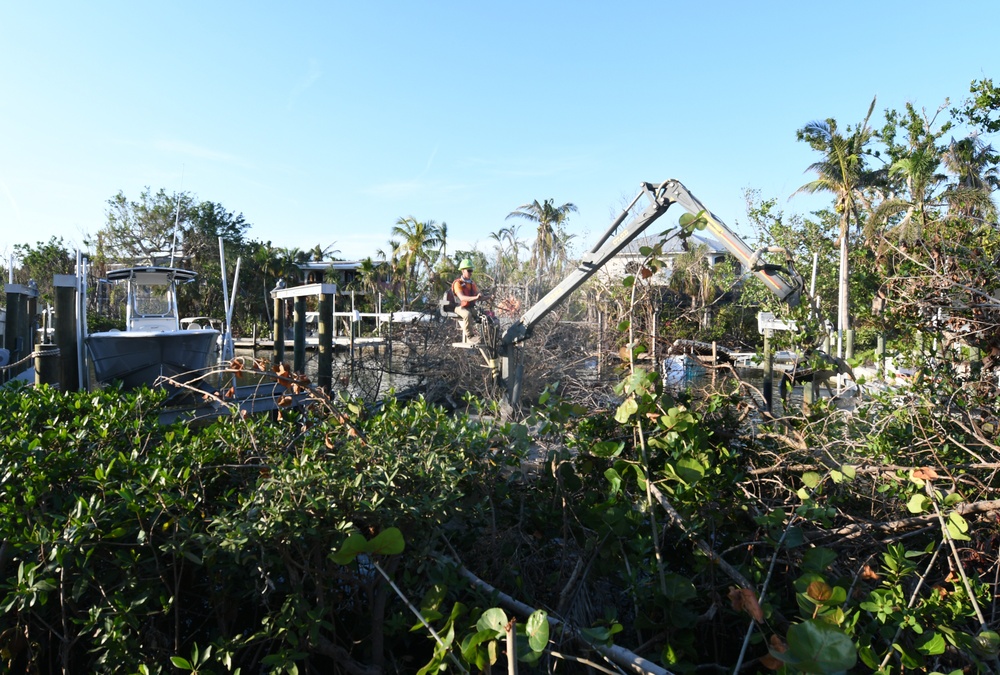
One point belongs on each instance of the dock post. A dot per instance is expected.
(17, 331)
(353, 320)
(810, 394)
(31, 317)
(47, 364)
(388, 346)
(880, 355)
(715, 359)
(768, 383)
(299, 327)
(326, 323)
(66, 290)
(278, 329)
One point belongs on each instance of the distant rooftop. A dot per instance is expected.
(673, 244)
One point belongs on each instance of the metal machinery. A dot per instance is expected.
(502, 353)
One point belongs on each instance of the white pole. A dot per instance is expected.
(812, 283)
(232, 301)
(842, 298)
(222, 269)
(228, 348)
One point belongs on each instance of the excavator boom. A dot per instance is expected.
(782, 281)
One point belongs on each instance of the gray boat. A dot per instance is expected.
(153, 346)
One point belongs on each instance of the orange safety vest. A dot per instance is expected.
(463, 287)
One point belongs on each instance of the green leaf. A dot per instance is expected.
(615, 479)
(628, 408)
(932, 644)
(849, 471)
(493, 619)
(918, 503)
(181, 662)
(957, 527)
(387, 542)
(987, 643)
(538, 630)
(690, 470)
(353, 546)
(679, 588)
(818, 559)
(811, 479)
(952, 499)
(607, 449)
(815, 646)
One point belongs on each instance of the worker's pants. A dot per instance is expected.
(467, 315)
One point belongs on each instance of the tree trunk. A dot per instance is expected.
(843, 313)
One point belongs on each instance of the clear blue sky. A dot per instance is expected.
(325, 122)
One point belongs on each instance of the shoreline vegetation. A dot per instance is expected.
(668, 531)
(366, 534)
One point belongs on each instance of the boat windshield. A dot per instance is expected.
(151, 300)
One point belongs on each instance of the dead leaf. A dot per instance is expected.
(745, 600)
(771, 662)
(925, 474)
(868, 574)
(284, 375)
(819, 590)
(285, 401)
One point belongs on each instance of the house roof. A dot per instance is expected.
(673, 244)
(322, 265)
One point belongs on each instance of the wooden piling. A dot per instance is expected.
(351, 327)
(768, 384)
(325, 357)
(47, 364)
(18, 330)
(66, 331)
(299, 328)
(278, 332)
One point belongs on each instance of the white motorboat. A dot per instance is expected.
(153, 345)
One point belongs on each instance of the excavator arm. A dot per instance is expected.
(783, 281)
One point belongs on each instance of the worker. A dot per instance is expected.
(466, 294)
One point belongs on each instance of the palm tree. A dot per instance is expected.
(508, 248)
(319, 253)
(974, 166)
(918, 171)
(396, 269)
(418, 240)
(546, 249)
(443, 237)
(841, 172)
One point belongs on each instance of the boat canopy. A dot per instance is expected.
(147, 274)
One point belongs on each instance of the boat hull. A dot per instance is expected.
(137, 358)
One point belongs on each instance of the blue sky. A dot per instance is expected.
(325, 122)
